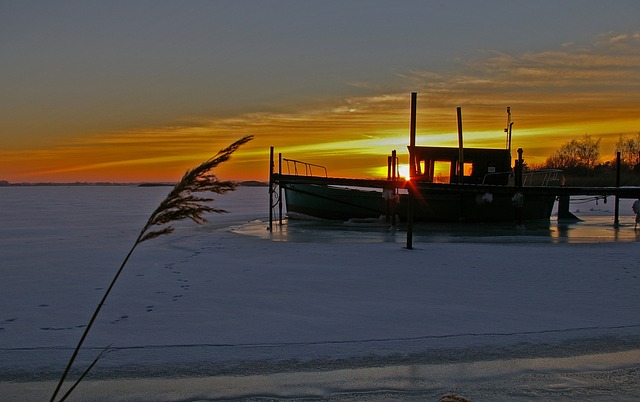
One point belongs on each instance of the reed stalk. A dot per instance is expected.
(182, 202)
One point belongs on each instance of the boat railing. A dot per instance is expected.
(299, 168)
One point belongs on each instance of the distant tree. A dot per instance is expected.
(629, 149)
(579, 154)
(534, 165)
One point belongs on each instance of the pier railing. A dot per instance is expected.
(530, 178)
(542, 177)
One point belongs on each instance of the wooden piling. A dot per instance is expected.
(280, 188)
(394, 177)
(410, 216)
(519, 197)
(616, 220)
(508, 129)
(412, 170)
(460, 147)
(460, 169)
(271, 189)
(387, 216)
(414, 106)
(519, 169)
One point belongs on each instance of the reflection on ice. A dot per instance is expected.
(593, 229)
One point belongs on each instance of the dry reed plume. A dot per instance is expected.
(183, 202)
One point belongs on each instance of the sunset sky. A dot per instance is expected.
(142, 90)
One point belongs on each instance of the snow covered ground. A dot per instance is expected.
(313, 310)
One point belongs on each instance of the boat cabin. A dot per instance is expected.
(440, 165)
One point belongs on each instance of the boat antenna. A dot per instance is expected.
(508, 129)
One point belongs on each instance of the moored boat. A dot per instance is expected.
(446, 184)
(432, 202)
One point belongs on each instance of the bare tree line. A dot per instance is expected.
(584, 154)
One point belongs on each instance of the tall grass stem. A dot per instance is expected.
(182, 202)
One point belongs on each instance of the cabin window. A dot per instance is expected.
(421, 167)
(442, 172)
(468, 168)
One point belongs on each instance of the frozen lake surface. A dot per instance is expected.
(313, 310)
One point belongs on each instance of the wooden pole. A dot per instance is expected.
(271, 189)
(460, 170)
(412, 170)
(412, 134)
(394, 173)
(508, 129)
(519, 169)
(616, 220)
(280, 188)
(460, 147)
(414, 106)
(520, 201)
(394, 176)
(410, 217)
(385, 193)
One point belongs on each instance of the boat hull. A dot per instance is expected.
(432, 205)
(327, 202)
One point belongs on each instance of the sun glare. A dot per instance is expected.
(403, 170)
(383, 171)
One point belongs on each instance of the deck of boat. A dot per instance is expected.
(621, 192)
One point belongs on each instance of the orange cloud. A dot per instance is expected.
(554, 95)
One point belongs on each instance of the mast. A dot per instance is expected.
(460, 147)
(412, 134)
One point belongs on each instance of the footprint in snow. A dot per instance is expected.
(55, 328)
(124, 317)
